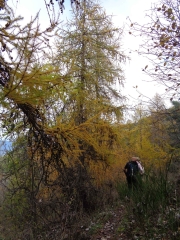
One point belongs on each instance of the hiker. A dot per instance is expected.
(133, 170)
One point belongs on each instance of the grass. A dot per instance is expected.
(152, 209)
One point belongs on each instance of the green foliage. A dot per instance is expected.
(152, 208)
(16, 179)
(174, 124)
(94, 228)
(151, 195)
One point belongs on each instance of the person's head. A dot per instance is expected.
(135, 159)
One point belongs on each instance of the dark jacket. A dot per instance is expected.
(131, 168)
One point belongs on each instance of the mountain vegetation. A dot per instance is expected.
(63, 109)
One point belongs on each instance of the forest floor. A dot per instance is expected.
(113, 223)
(103, 226)
(121, 221)
(109, 224)
(116, 224)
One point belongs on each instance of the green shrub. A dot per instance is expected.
(151, 208)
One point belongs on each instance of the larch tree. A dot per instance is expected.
(65, 107)
(21, 94)
(89, 54)
(89, 57)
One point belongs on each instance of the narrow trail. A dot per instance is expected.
(109, 225)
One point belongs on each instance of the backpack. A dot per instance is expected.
(141, 168)
(132, 168)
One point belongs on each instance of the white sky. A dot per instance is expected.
(120, 9)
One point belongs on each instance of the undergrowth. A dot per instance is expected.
(152, 209)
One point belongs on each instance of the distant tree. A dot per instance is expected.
(138, 138)
(159, 123)
(174, 127)
(15, 177)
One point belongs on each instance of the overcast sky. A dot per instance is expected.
(121, 10)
